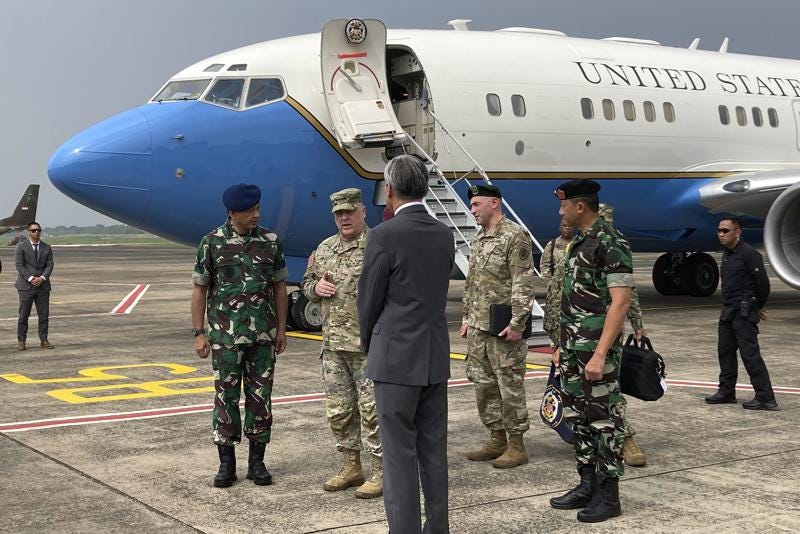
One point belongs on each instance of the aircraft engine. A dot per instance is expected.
(782, 236)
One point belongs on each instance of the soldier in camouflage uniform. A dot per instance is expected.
(552, 269)
(239, 279)
(633, 455)
(332, 278)
(500, 272)
(596, 296)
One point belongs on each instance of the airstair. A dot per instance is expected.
(444, 203)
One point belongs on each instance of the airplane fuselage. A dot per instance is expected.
(656, 136)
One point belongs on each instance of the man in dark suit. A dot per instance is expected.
(34, 261)
(402, 295)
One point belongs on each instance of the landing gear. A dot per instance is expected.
(305, 315)
(679, 273)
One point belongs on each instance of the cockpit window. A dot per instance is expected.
(264, 90)
(182, 90)
(238, 66)
(226, 92)
(214, 67)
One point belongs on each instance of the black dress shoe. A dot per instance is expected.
(756, 404)
(719, 398)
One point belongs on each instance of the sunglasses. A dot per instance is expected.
(723, 230)
(35, 230)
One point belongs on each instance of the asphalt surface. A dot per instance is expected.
(86, 448)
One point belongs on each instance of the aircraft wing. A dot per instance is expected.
(773, 195)
(750, 194)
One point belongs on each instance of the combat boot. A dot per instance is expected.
(349, 475)
(605, 504)
(515, 454)
(634, 456)
(227, 467)
(492, 449)
(256, 470)
(580, 495)
(373, 487)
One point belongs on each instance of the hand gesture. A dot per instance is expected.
(324, 288)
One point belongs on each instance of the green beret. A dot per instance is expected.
(577, 188)
(346, 199)
(483, 190)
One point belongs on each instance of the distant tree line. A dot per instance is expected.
(99, 229)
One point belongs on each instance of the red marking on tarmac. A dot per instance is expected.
(290, 399)
(178, 410)
(130, 301)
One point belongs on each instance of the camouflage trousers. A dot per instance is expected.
(497, 368)
(552, 315)
(623, 412)
(350, 401)
(592, 409)
(256, 364)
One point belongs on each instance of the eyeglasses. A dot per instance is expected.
(35, 230)
(723, 230)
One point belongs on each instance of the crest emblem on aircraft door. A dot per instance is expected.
(356, 31)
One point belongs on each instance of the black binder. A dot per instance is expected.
(500, 317)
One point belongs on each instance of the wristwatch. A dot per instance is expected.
(197, 331)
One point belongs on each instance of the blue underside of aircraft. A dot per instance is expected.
(163, 168)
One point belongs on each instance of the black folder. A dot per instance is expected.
(500, 317)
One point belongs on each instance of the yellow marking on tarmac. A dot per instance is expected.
(453, 355)
(150, 389)
(94, 374)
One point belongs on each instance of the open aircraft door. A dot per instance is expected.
(353, 61)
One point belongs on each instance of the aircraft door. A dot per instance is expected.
(353, 61)
(796, 108)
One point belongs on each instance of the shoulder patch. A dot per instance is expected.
(524, 253)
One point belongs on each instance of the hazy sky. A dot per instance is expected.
(70, 63)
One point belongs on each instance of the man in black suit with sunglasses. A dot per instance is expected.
(745, 289)
(34, 261)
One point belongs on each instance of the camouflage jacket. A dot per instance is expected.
(239, 271)
(500, 272)
(552, 267)
(343, 261)
(595, 261)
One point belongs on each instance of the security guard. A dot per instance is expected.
(332, 278)
(597, 290)
(239, 278)
(745, 290)
(500, 272)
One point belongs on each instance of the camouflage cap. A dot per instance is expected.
(346, 199)
(607, 213)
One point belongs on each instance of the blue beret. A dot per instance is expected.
(577, 188)
(241, 197)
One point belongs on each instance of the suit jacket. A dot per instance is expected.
(402, 295)
(28, 265)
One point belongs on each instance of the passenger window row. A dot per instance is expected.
(628, 110)
(741, 116)
(495, 109)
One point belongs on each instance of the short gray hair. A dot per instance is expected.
(408, 176)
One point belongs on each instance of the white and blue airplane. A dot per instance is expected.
(676, 137)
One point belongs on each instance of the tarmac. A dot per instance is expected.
(110, 431)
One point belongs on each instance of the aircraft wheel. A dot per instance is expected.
(289, 319)
(307, 315)
(700, 275)
(667, 277)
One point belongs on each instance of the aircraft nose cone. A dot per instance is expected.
(107, 167)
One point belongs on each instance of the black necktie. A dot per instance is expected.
(36, 250)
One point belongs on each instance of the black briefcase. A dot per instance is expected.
(500, 317)
(642, 372)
